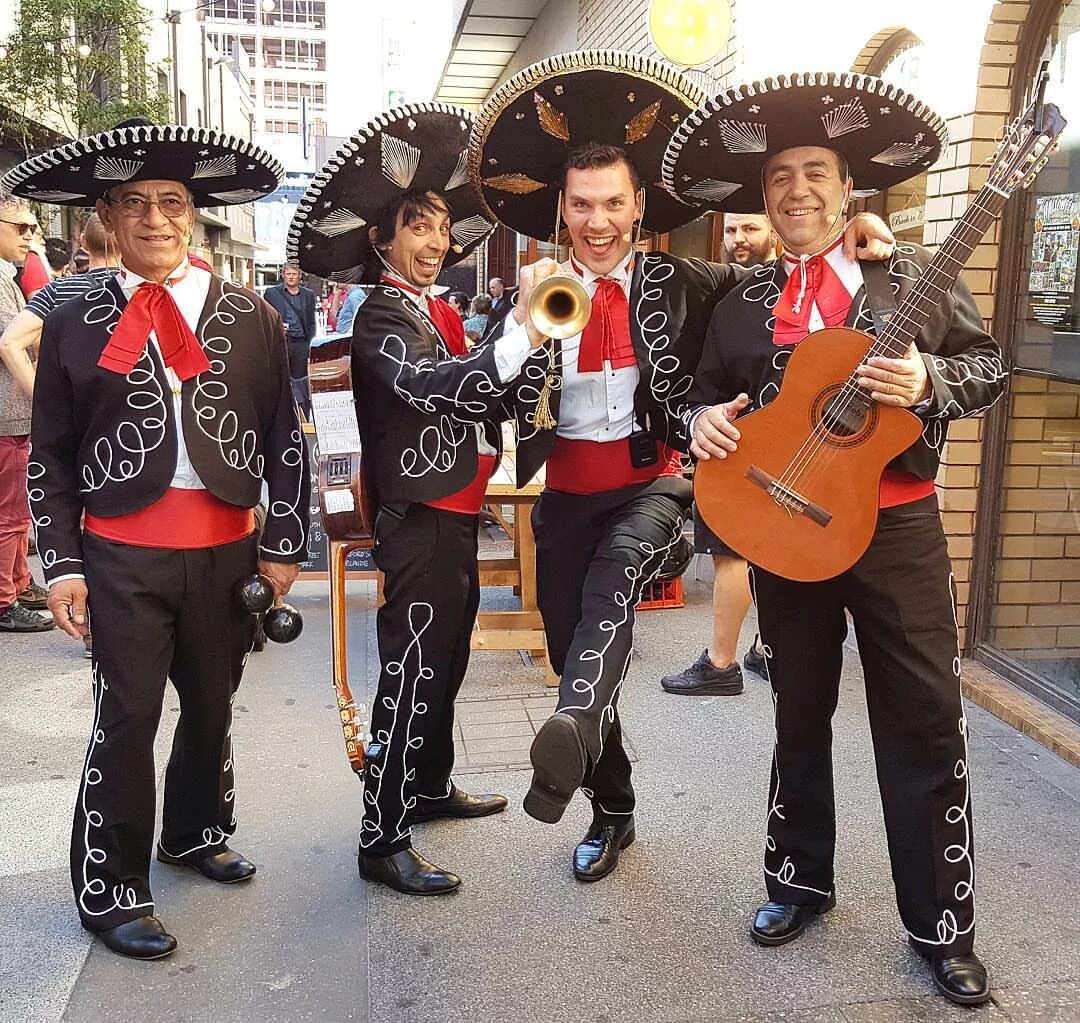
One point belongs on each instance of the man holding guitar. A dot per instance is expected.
(814, 139)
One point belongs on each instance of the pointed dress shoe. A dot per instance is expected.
(458, 804)
(777, 923)
(962, 979)
(408, 872)
(226, 866)
(559, 759)
(597, 855)
(703, 678)
(141, 938)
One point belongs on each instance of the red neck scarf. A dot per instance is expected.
(442, 314)
(606, 337)
(152, 308)
(810, 282)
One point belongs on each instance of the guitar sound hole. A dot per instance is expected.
(845, 416)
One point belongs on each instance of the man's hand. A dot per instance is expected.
(901, 382)
(281, 576)
(714, 430)
(528, 278)
(67, 602)
(867, 237)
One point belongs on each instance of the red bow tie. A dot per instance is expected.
(606, 336)
(152, 308)
(811, 283)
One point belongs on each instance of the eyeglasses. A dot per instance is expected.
(173, 206)
(25, 229)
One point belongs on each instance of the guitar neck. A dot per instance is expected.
(939, 277)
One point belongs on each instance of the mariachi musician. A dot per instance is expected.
(584, 133)
(161, 408)
(808, 141)
(391, 209)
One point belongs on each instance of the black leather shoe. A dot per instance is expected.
(225, 866)
(458, 804)
(559, 759)
(703, 678)
(777, 923)
(407, 871)
(142, 938)
(597, 855)
(962, 979)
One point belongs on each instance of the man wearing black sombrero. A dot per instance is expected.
(807, 141)
(585, 133)
(391, 209)
(161, 408)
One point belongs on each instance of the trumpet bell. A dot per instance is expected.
(559, 306)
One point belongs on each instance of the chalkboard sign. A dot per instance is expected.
(359, 560)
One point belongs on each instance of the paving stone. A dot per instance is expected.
(1045, 1003)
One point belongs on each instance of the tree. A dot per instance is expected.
(77, 67)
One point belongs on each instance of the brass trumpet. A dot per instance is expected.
(559, 306)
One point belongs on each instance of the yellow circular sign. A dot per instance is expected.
(689, 32)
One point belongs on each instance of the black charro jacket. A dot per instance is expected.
(106, 443)
(963, 362)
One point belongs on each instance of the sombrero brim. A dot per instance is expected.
(717, 154)
(532, 122)
(421, 146)
(218, 170)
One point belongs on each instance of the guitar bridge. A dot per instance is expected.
(787, 498)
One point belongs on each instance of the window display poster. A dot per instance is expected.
(1052, 280)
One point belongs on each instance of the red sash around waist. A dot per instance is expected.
(180, 519)
(902, 488)
(592, 467)
(469, 500)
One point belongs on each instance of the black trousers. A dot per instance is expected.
(156, 614)
(900, 596)
(431, 587)
(299, 350)
(594, 555)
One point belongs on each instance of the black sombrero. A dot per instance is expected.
(532, 122)
(422, 146)
(218, 170)
(718, 153)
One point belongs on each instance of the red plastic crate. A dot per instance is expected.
(666, 593)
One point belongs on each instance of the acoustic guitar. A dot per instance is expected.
(346, 511)
(799, 497)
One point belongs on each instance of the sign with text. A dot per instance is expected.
(1052, 277)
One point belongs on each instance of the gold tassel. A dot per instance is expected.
(542, 417)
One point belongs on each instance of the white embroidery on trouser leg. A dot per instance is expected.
(948, 925)
(372, 830)
(123, 896)
(786, 872)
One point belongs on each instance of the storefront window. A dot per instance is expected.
(1035, 608)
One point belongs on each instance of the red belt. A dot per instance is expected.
(591, 467)
(902, 488)
(180, 519)
(469, 500)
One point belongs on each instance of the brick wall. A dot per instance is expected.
(950, 185)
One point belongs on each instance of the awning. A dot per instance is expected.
(486, 38)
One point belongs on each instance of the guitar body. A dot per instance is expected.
(799, 497)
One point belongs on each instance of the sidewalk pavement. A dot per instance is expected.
(662, 939)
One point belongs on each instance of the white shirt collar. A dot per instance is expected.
(130, 280)
(7, 268)
(621, 273)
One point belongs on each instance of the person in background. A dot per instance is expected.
(295, 304)
(749, 240)
(58, 254)
(476, 324)
(501, 302)
(17, 589)
(34, 273)
(347, 313)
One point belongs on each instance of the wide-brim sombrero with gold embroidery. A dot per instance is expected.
(534, 120)
(417, 147)
(218, 169)
(717, 154)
